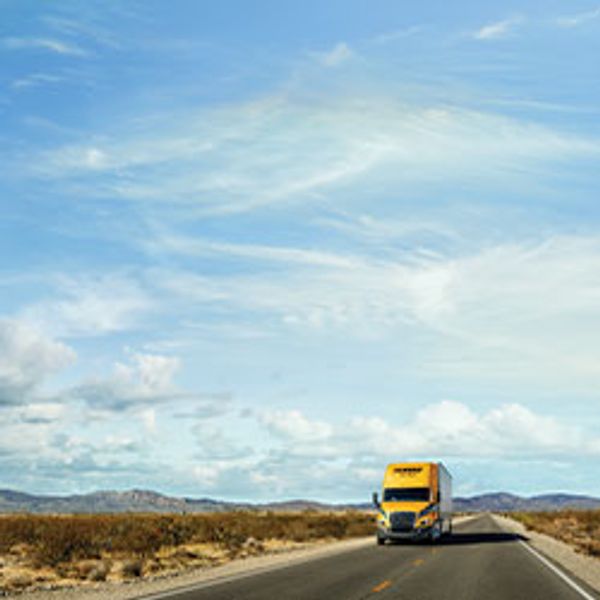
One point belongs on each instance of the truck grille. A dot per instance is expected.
(402, 521)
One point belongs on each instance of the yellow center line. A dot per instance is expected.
(417, 562)
(382, 586)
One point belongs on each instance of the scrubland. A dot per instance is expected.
(579, 528)
(47, 551)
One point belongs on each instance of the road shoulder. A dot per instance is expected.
(585, 568)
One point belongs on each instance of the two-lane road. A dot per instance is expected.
(479, 562)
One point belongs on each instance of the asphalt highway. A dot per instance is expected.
(479, 562)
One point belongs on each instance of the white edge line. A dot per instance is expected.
(556, 570)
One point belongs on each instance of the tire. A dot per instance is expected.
(380, 540)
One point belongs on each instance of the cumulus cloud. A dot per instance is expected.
(28, 359)
(42, 413)
(448, 429)
(146, 380)
(143, 382)
(293, 425)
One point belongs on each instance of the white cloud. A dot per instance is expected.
(83, 29)
(88, 306)
(146, 380)
(28, 358)
(398, 34)
(212, 443)
(49, 412)
(448, 429)
(194, 246)
(293, 425)
(142, 383)
(499, 29)
(578, 19)
(505, 306)
(280, 149)
(50, 44)
(34, 80)
(148, 419)
(338, 55)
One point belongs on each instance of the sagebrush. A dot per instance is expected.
(580, 528)
(55, 539)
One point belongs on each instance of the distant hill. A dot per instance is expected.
(148, 501)
(503, 502)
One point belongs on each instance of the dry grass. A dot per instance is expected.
(57, 550)
(579, 528)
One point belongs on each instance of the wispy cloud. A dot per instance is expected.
(578, 19)
(98, 34)
(338, 55)
(277, 149)
(36, 79)
(388, 37)
(40, 43)
(88, 306)
(497, 30)
(255, 252)
(480, 300)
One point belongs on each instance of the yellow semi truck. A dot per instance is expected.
(416, 502)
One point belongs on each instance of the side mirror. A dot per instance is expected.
(375, 499)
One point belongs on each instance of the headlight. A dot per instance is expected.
(382, 517)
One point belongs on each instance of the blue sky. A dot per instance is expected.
(259, 250)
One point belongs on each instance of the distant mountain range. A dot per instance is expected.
(503, 502)
(149, 501)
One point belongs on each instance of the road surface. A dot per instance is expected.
(479, 562)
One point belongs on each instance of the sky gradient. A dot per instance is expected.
(258, 250)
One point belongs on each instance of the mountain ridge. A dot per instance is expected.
(139, 500)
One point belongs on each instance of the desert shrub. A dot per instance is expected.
(132, 568)
(64, 539)
(16, 529)
(580, 528)
(60, 539)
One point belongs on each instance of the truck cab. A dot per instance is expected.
(416, 502)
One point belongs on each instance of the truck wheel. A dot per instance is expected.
(380, 540)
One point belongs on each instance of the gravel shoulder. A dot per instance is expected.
(586, 568)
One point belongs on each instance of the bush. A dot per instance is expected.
(54, 540)
(580, 528)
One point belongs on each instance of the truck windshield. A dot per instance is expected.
(406, 495)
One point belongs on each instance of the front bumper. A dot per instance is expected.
(418, 533)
